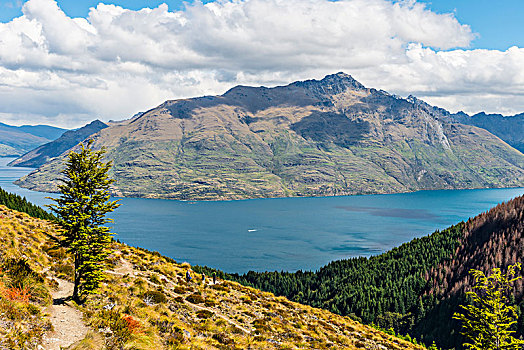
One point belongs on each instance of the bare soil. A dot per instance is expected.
(67, 321)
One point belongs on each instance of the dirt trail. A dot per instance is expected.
(67, 321)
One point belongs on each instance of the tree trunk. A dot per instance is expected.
(76, 297)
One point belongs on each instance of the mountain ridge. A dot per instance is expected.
(509, 128)
(41, 154)
(17, 140)
(311, 138)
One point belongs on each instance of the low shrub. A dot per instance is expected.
(154, 278)
(18, 270)
(64, 270)
(114, 320)
(210, 302)
(222, 338)
(155, 296)
(204, 314)
(176, 336)
(179, 289)
(195, 298)
(133, 325)
(17, 294)
(220, 287)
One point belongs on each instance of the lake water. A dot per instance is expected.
(285, 233)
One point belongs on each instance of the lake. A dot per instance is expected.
(285, 233)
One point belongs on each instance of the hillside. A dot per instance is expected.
(67, 140)
(310, 138)
(17, 140)
(508, 128)
(147, 304)
(416, 287)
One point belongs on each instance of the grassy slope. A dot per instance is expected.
(186, 316)
(22, 319)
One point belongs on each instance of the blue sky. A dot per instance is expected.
(80, 8)
(461, 55)
(499, 23)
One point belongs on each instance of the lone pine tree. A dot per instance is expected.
(488, 322)
(81, 211)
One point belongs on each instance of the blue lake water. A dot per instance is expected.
(286, 233)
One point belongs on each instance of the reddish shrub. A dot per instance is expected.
(17, 294)
(132, 324)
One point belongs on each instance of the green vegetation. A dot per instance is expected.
(18, 203)
(488, 321)
(81, 211)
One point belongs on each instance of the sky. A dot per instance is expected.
(68, 62)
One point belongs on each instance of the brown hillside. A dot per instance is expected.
(491, 239)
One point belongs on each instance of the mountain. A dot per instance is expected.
(416, 287)
(67, 140)
(310, 138)
(146, 303)
(17, 140)
(508, 128)
(45, 131)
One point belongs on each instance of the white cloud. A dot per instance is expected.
(117, 61)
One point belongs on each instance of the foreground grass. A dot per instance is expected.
(146, 303)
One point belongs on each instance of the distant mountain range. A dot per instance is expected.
(310, 138)
(17, 140)
(508, 128)
(67, 140)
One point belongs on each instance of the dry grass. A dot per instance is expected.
(146, 303)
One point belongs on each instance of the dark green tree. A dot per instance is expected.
(489, 320)
(81, 211)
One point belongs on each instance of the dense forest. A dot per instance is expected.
(15, 202)
(415, 288)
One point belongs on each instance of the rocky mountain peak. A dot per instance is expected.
(341, 79)
(298, 93)
(332, 84)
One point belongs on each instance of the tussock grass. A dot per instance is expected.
(147, 304)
